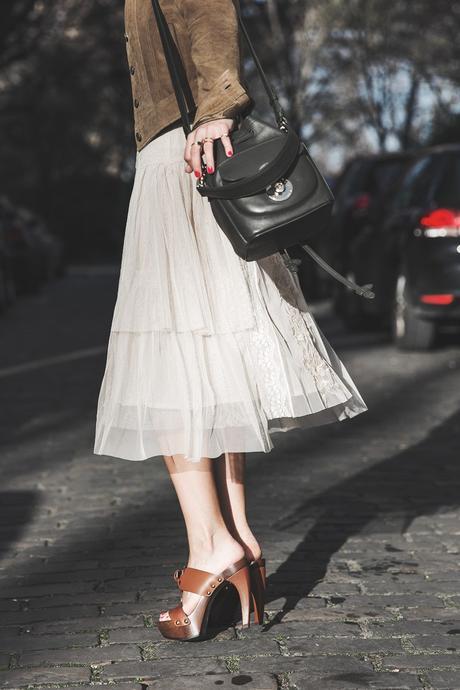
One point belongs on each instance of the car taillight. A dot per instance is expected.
(361, 202)
(443, 222)
(437, 299)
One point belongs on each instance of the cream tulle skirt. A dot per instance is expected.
(207, 353)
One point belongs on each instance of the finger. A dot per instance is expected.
(208, 149)
(187, 152)
(227, 144)
(196, 159)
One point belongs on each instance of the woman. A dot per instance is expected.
(208, 355)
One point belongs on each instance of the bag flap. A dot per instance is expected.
(249, 162)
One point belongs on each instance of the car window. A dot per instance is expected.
(415, 185)
(369, 177)
(382, 175)
(354, 179)
(448, 191)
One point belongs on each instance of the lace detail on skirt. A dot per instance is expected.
(272, 388)
(321, 370)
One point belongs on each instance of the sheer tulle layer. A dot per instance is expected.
(207, 353)
(179, 272)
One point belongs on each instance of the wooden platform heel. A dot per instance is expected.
(258, 585)
(232, 611)
(194, 626)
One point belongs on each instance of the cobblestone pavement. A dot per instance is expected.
(359, 522)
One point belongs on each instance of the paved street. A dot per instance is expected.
(359, 522)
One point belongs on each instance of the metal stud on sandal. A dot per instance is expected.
(182, 626)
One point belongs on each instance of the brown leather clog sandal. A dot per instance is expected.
(183, 626)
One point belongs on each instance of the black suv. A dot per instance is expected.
(410, 251)
(358, 194)
(358, 190)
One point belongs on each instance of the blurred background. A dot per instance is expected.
(370, 86)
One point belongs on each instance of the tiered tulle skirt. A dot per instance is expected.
(207, 353)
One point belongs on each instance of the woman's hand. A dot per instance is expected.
(214, 129)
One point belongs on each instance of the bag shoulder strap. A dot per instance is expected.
(272, 95)
(175, 67)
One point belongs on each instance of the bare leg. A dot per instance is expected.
(229, 474)
(211, 546)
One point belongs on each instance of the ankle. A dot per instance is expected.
(244, 536)
(252, 550)
(206, 547)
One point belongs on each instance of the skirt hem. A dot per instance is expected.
(275, 425)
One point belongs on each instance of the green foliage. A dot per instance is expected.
(232, 663)
(148, 651)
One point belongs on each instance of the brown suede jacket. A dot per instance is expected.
(206, 34)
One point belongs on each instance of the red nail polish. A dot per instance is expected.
(210, 169)
(197, 173)
(229, 153)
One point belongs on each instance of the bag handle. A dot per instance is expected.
(361, 290)
(179, 77)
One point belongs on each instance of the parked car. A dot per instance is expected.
(359, 191)
(411, 251)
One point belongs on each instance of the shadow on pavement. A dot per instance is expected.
(17, 510)
(418, 481)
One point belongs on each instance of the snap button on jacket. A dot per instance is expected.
(207, 37)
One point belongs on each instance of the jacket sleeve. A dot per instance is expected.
(214, 37)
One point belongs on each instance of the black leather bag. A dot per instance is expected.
(269, 195)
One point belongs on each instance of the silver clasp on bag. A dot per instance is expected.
(280, 191)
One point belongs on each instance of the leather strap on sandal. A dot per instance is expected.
(202, 582)
(183, 626)
(178, 616)
(199, 581)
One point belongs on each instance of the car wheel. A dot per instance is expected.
(410, 332)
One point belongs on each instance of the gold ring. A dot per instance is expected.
(197, 143)
(208, 139)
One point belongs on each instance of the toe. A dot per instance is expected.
(164, 616)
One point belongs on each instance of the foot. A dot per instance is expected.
(214, 560)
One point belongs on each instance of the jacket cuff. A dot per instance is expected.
(227, 97)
